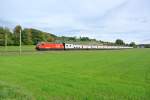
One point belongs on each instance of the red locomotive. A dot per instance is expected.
(49, 46)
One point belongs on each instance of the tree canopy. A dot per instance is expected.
(119, 42)
(132, 44)
(31, 36)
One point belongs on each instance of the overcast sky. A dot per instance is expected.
(101, 19)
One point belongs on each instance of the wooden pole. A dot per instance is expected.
(5, 40)
(20, 43)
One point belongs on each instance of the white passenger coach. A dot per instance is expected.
(88, 47)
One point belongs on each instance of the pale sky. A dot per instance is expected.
(105, 20)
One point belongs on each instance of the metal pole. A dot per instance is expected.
(20, 42)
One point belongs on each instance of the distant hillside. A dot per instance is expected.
(37, 36)
(31, 36)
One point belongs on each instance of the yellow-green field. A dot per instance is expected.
(75, 75)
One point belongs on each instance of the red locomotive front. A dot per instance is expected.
(49, 46)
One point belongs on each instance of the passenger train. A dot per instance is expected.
(64, 46)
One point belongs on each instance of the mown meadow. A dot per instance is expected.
(75, 75)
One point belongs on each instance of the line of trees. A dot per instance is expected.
(75, 39)
(121, 42)
(32, 36)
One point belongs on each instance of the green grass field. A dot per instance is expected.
(76, 75)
